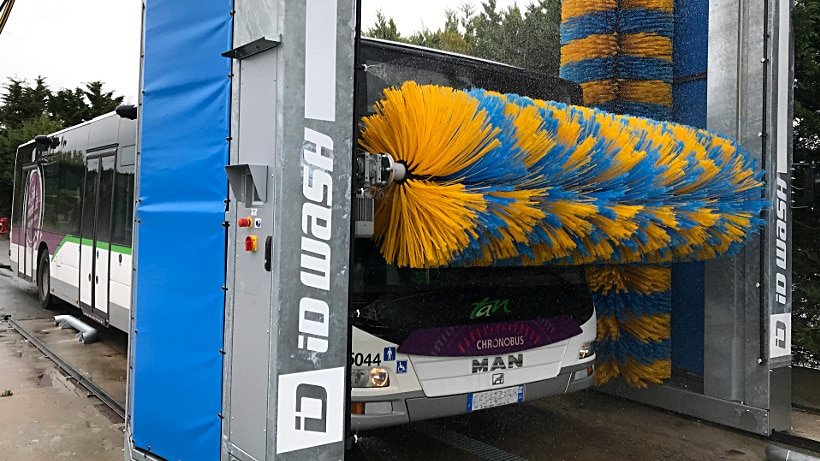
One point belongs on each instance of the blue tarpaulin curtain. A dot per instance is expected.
(176, 383)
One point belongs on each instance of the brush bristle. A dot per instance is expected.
(503, 177)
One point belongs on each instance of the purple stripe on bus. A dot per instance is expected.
(489, 338)
(16, 237)
(51, 239)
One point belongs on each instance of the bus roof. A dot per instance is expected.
(436, 51)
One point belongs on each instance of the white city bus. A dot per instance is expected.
(426, 343)
(72, 217)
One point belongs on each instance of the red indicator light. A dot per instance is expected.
(244, 222)
(250, 243)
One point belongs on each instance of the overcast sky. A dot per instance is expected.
(77, 41)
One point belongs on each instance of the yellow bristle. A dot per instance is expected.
(648, 327)
(645, 45)
(608, 328)
(649, 91)
(430, 219)
(581, 7)
(531, 137)
(599, 91)
(606, 370)
(640, 375)
(591, 46)
(663, 5)
(433, 130)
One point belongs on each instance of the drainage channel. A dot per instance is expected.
(73, 372)
(467, 444)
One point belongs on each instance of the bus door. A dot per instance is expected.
(95, 235)
(32, 214)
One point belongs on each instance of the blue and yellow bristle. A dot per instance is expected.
(644, 62)
(641, 86)
(589, 47)
(504, 178)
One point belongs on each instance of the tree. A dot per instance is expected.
(449, 38)
(9, 140)
(27, 110)
(384, 29)
(806, 20)
(527, 38)
(99, 101)
(23, 102)
(806, 222)
(69, 106)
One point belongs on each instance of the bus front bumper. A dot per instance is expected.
(415, 406)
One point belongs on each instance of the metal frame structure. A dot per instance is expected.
(290, 153)
(286, 345)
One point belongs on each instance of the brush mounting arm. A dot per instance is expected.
(377, 170)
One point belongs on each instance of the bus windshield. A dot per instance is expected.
(392, 302)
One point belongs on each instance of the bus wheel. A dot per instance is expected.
(44, 282)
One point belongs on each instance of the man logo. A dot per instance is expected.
(310, 409)
(498, 379)
(483, 365)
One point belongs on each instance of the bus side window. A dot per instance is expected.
(51, 198)
(127, 156)
(123, 224)
(70, 183)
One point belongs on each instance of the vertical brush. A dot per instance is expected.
(645, 89)
(589, 48)
(642, 86)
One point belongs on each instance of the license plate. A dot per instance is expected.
(494, 398)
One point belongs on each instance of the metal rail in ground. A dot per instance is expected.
(73, 372)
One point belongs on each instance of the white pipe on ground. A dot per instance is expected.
(86, 333)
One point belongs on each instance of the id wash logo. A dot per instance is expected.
(308, 414)
(317, 188)
(781, 233)
(311, 403)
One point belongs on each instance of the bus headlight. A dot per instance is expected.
(369, 377)
(585, 351)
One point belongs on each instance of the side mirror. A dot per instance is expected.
(47, 141)
(128, 111)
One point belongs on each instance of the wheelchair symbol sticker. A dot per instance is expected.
(401, 366)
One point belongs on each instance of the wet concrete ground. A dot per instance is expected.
(583, 426)
(102, 362)
(48, 417)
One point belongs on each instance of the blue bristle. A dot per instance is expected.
(645, 20)
(589, 70)
(600, 22)
(629, 347)
(641, 68)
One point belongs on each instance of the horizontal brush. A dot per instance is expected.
(506, 179)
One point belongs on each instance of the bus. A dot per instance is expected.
(429, 343)
(425, 343)
(72, 217)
